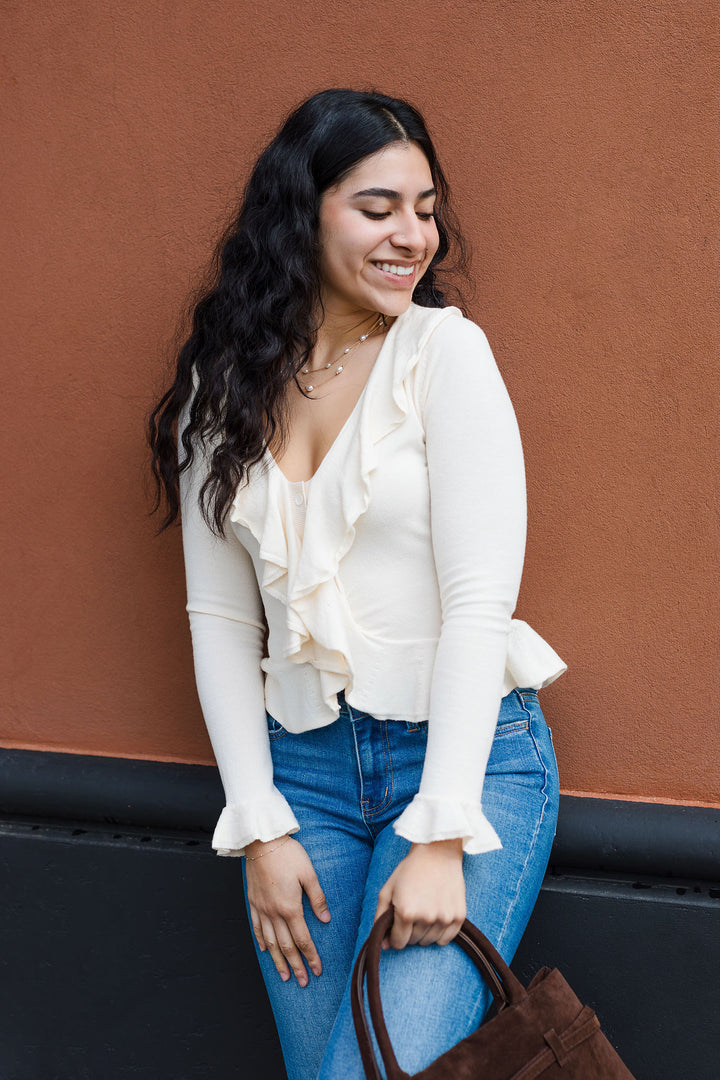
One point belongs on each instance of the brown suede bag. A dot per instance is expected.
(543, 1031)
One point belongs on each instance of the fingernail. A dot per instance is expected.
(303, 982)
(325, 916)
(316, 969)
(284, 975)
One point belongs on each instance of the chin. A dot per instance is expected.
(395, 304)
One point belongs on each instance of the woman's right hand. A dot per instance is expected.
(275, 885)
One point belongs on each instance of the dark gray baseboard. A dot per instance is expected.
(126, 952)
(597, 834)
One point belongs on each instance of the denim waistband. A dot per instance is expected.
(351, 713)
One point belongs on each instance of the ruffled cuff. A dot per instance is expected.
(427, 819)
(241, 823)
(531, 662)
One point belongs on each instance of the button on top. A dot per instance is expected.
(299, 499)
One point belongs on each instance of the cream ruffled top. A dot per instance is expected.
(393, 576)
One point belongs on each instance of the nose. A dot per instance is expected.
(409, 234)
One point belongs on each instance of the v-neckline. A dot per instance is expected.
(351, 415)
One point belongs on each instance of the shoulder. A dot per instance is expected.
(433, 330)
(447, 342)
(456, 335)
(417, 324)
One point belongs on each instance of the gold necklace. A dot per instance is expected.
(379, 322)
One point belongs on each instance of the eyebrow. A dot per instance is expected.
(387, 193)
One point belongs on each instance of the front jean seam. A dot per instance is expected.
(387, 798)
(370, 813)
(362, 781)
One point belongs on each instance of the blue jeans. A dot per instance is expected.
(346, 784)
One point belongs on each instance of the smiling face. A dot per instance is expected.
(377, 233)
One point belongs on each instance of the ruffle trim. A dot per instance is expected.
(531, 662)
(241, 823)
(302, 575)
(427, 819)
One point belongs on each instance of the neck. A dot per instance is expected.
(339, 330)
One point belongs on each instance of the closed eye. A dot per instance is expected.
(374, 216)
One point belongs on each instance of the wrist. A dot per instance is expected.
(444, 848)
(258, 848)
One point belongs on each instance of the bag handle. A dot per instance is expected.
(504, 986)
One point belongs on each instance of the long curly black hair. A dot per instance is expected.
(256, 324)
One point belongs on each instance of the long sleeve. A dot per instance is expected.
(228, 632)
(478, 521)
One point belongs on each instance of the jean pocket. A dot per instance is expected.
(515, 713)
(512, 728)
(275, 729)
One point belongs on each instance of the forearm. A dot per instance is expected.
(230, 688)
(228, 632)
(477, 493)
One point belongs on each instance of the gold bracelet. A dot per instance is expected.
(254, 858)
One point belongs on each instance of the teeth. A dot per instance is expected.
(391, 268)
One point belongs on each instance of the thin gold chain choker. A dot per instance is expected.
(379, 323)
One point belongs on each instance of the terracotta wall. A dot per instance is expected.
(580, 136)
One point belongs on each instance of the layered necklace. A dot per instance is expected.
(379, 325)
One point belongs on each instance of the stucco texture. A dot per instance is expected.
(580, 139)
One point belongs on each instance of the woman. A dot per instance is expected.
(353, 510)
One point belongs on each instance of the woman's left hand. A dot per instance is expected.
(427, 890)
